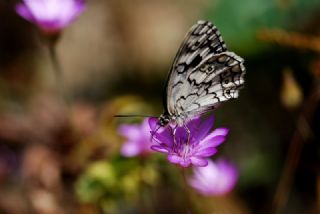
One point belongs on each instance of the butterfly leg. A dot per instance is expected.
(174, 134)
(152, 135)
(188, 131)
(152, 138)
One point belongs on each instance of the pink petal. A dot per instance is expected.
(74, 11)
(153, 123)
(219, 131)
(159, 149)
(213, 142)
(202, 189)
(204, 128)
(161, 134)
(201, 162)
(130, 149)
(165, 137)
(211, 137)
(145, 126)
(207, 152)
(131, 132)
(194, 123)
(79, 7)
(181, 134)
(217, 178)
(175, 159)
(51, 15)
(24, 11)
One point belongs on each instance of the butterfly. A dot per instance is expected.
(204, 74)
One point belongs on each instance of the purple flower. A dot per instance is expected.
(187, 149)
(218, 178)
(50, 15)
(138, 139)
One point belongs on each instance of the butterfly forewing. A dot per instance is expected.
(204, 73)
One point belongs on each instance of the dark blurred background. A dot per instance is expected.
(61, 155)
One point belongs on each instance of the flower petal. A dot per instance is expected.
(24, 11)
(153, 123)
(138, 139)
(203, 128)
(165, 137)
(181, 135)
(202, 189)
(193, 124)
(145, 126)
(130, 149)
(69, 14)
(217, 178)
(160, 134)
(217, 132)
(159, 148)
(222, 131)
(213, 142)
(77, 8)
(175, 159)
(201, 162)
(207, 152)
(51, 15)
(131, 132)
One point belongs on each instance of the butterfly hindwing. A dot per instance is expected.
(223, 79)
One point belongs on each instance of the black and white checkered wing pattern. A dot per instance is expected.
(204, 73)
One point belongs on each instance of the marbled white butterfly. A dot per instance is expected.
(203, 75)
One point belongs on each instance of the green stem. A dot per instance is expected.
(57, 68)
(55, 62)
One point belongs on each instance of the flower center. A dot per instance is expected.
(183, 147)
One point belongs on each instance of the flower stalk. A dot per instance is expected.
(186, 191)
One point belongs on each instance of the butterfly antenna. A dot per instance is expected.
(133, 115)
(153, 132)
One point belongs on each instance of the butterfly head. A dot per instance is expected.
(164, 119)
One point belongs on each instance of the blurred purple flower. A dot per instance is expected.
(218, 178)
(201, 144)
(50, 15)
(138, 139)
